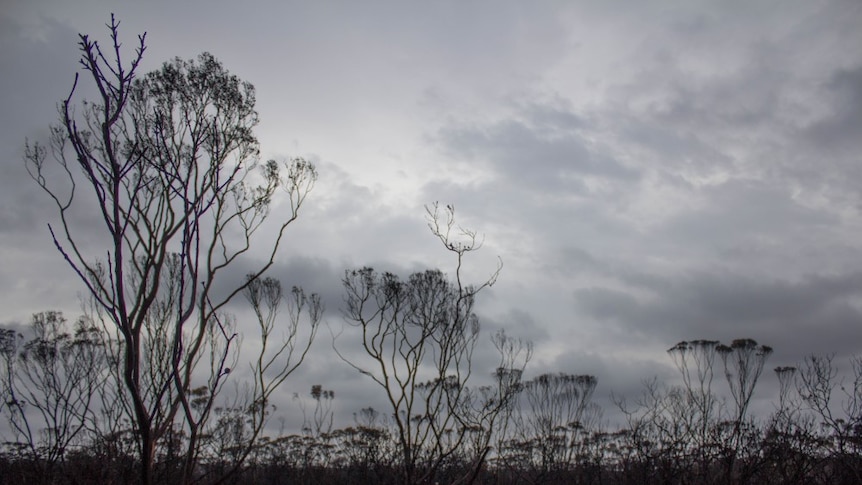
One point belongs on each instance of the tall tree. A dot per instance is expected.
(418, 336)
(170, 163)
(743, 363)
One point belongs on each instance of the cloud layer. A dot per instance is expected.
(648, 173)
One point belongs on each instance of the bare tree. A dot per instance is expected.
(418, 336)
(278, 359)
(743, 363)
(552, 422)
(818, 381)
(790, 442)
(491, 407)
(50, 383)
(658, 436)
(171, 165)
(676, 434)
(696, 362)
(322, 417)
(486, 412)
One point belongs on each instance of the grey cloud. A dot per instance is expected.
(792, 316)
(39, 71)
(542, 165)
(839, 133)
(574, 260)
(703, 101)
(740, 210)
(535, 156)
(49, 71)
(670, 148)
(577, 259)
(606, 303)
(647, 174)
(555, 116)
(517, 323)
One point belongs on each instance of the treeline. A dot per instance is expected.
(63, 425)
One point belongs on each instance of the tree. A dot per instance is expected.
(419, 336)
(818, 380)
(695, 360)
(554, 422)
(658, 441)
(790, 441)
(49, 384)
(322, 417)
(743, 363)
(172, 168)
(490, 409)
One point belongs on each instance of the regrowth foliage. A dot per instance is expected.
(169, 162)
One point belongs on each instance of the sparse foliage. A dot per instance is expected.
(419, 336)
(169, 162)
(49, 384)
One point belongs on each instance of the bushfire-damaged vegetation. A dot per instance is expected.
(151, 385)
(541, 430)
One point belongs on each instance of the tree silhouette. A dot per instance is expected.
(419, 336)
(170, 163)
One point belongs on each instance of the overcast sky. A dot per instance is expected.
(649, 171)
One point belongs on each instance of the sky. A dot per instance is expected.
(648, 172)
